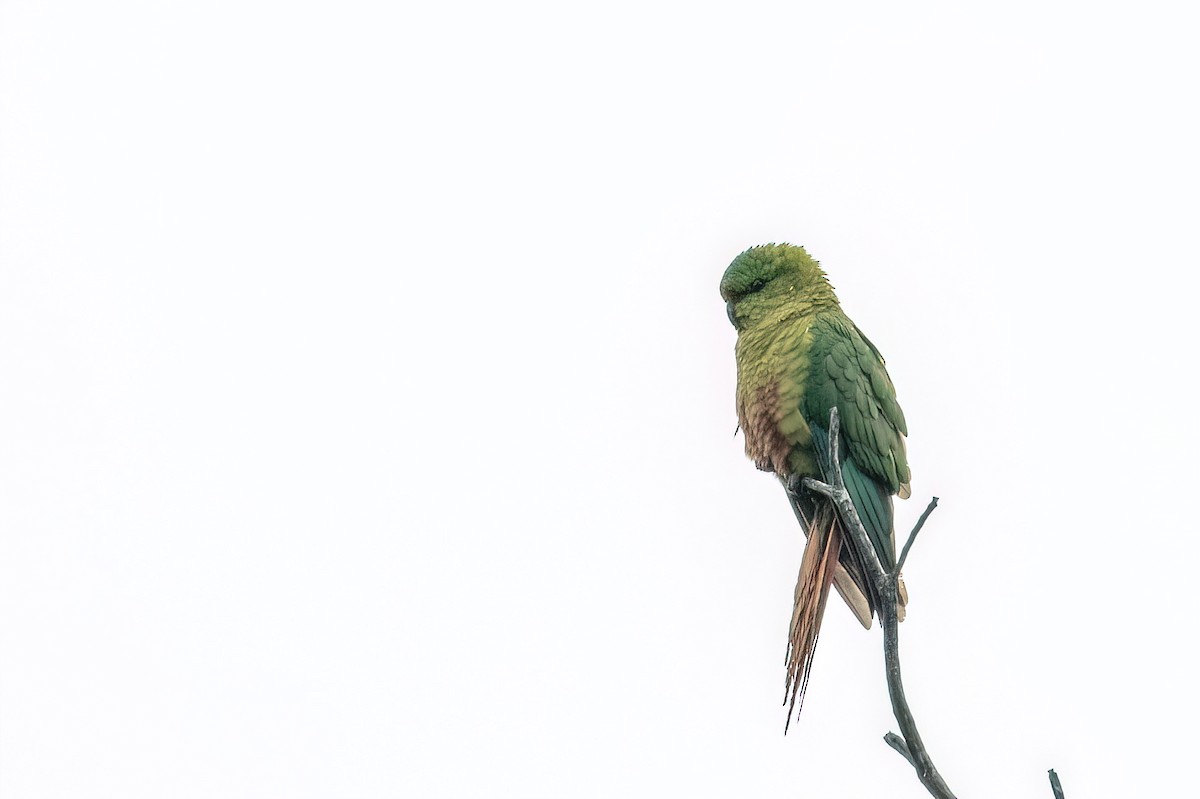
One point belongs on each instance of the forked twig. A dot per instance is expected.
(910, 744)
(896, 742)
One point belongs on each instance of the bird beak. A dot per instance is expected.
(732, 315)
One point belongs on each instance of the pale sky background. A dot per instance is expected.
(366, 398)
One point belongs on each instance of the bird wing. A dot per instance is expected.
(847, 372)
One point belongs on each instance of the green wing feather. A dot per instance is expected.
(848, 373)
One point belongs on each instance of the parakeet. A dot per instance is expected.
(798, 356)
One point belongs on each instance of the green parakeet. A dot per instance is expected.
(798, 356)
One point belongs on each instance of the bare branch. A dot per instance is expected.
(909, 743)
(922, 762)
(1055, 785)
(885, 589)
(913, 535)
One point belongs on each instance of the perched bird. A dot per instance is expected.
(798, 356)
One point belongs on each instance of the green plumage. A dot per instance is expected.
(798, 356)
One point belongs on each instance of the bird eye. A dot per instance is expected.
(757, 285)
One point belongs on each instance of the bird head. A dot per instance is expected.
(764, 277)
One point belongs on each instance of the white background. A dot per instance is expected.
(366, 399)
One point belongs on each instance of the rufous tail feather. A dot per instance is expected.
(812, 590)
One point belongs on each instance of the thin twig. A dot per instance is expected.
(913, 535)
(1055, 785)
(885, 589)
(896, 742)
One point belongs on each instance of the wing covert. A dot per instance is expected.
(849, 373)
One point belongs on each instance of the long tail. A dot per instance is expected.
(850, 576)
(812, 590)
